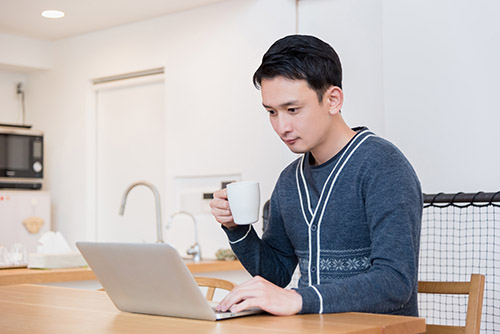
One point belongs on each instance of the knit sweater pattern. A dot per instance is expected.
(352, 225)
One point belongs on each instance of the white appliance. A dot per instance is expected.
(24, 217)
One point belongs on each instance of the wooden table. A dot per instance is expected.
(55, 310)
(22, 276)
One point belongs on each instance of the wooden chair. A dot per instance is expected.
(212, 284)
(474, 288)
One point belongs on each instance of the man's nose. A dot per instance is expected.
(284, 124)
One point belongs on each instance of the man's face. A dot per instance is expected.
(295, 113)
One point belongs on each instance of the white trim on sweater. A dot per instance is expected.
(318, 205)
(320, 299)
(243, 237)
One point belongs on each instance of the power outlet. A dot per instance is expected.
(194, 193)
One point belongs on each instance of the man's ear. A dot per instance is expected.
(335, 99)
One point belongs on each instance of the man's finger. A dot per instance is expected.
(219, 204)
(244, 291)
(221, 212)
(245, 304)
(222, 194)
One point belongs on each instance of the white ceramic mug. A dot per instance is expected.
(244, 201)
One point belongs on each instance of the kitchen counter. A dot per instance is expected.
(24, 275)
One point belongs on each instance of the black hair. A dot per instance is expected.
(301, 57)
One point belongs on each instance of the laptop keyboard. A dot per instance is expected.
(220, 312)
(217, 311)
(213, 305)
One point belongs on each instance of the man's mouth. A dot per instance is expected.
(289, 141)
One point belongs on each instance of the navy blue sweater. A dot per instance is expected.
(353, 226)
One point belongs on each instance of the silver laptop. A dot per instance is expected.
(150, 279)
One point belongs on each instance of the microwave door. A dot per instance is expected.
(18, 156)
(21, 156)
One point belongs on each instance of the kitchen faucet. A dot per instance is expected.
(195, 249)
(157, 201)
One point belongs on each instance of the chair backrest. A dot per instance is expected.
(212, 284)
(474, 288)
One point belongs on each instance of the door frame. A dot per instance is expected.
(94, 87)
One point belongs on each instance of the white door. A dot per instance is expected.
(130, 147)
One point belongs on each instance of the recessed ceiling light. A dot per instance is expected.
(52, 14)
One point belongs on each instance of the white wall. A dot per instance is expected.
(215, 121)
(24, 54)
(424, 75)
(10, 102)
(441, 74)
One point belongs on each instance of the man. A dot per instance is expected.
(348, 212)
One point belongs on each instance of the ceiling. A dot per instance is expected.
(22, 17)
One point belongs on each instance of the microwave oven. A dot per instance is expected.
(21, 158)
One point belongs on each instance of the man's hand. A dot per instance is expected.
(259, 292)
(220, 209)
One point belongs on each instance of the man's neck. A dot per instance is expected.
(338, 137)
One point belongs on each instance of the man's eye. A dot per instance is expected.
(271, 112)
(292, 109)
